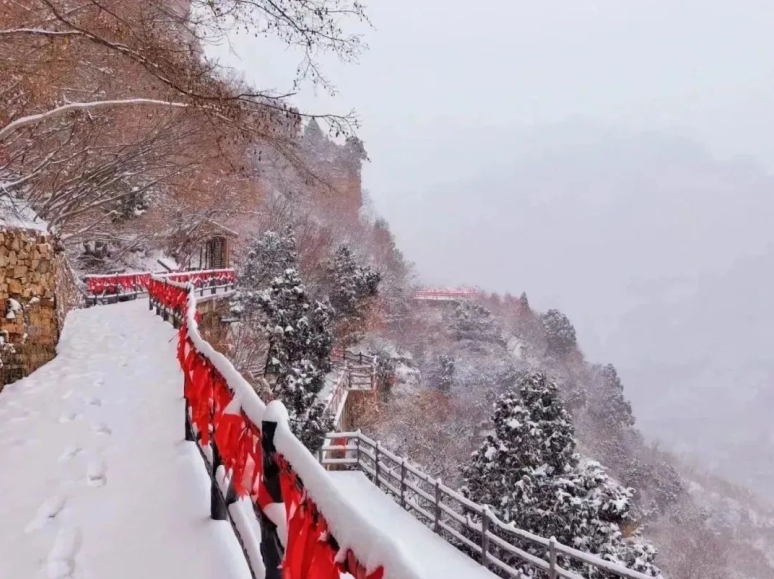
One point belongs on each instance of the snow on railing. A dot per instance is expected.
(445, 294)
(360, 368)
(344, 355)
(112, 286)
(123, 283)
(338, 399)
(251, 453)
(457, 519)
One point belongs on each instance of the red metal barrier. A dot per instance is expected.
(246, 450)
(117, 284)
(172, 296)
(205, 278)
(121, 283)
(446, 294)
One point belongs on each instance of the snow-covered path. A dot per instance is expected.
(432, 556)
(96, 480)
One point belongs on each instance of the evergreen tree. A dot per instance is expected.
(351, 285)
(528, 472)
(444, 379)
(300, 342)
(472, 321)
(609, 407)
(560, 333)
(270, 255)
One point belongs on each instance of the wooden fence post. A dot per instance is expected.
(403, 482)
(436, 526)
(376, 466)
(484, 535)
(552, 557)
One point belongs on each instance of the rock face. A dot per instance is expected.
(37, 289)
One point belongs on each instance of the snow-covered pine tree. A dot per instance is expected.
(444, 379)
(472, 321)
(560, 333)
(300, 342)
(528, 472)
(350, 286)
(608, 405)
(271, 254)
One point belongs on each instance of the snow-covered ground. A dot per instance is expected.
(97, 480)
(433, 557)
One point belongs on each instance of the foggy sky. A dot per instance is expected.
(611, 159)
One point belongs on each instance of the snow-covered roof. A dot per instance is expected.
(18, 215)
(222, 228)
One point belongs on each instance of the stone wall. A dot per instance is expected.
(68, 293)
(37, 289)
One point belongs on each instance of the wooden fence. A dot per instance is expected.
(457, 519)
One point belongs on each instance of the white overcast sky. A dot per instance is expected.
(611, 158)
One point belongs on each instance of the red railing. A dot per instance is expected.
(322, 535)
(170, 295)
(205, 278)
(137, 282)
(446, 294)
(117, 284)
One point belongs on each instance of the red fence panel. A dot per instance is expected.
(223, 412)
(122, 283)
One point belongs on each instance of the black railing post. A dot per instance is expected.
(217, 504)
(271, 548)
(189, 434)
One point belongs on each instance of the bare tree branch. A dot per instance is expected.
(32, 119)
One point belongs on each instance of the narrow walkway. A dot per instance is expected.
(95, 479)
(434, 557)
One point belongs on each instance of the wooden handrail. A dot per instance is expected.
(453, 515)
